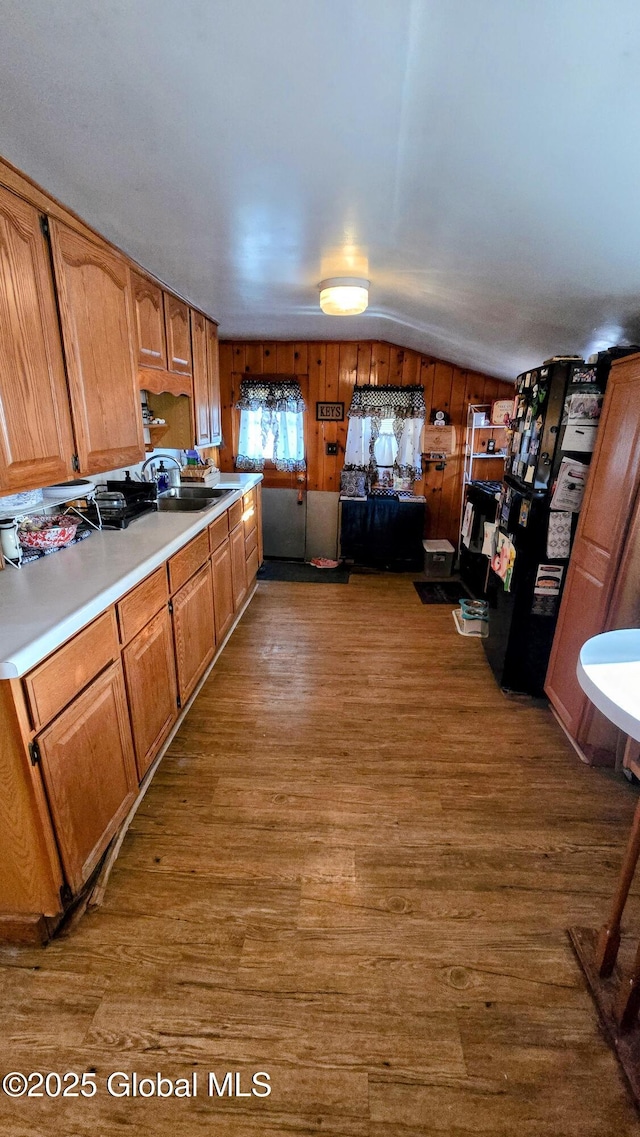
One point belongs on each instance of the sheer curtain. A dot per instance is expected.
(385, 432)
(271, 424)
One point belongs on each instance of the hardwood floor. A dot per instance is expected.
(354, 870)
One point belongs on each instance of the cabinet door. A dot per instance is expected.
(97, 332)
(222, 589)
(258, 490)
(176, 317)
(202, 405)
(193, 630)
(213, 370)
(150, 673)
(89, 772)
(36, 443)
(238, 566)
(149, 322)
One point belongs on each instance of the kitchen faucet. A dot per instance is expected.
(151, 460)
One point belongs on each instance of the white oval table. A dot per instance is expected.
(609, 673)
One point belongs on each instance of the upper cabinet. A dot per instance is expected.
(213, 371)
(94, 297)
(206, 380)
(178, 335)
(36, 440)
(202, 407)
(149, 322)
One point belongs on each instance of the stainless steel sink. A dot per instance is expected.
(189, 499)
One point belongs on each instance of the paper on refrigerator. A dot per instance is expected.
(569, 489)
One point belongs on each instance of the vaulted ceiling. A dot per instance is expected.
(477, 161)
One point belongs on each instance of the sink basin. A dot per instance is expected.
(189, 499)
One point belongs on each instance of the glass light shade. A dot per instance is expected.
(344, 296)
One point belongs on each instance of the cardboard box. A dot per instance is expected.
(438, 559)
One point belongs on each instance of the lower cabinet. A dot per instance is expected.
(193, 630)
(238, 566)
(89, 773)
(151, 686)
(222, 589)
(134, 665)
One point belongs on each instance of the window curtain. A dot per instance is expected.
(271, 425)
(385, 431)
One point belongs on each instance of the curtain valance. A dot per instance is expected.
(279, 395)
(387, 401)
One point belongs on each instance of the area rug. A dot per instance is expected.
(440, 591)
(296, 572)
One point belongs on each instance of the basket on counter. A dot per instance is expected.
(43, 532)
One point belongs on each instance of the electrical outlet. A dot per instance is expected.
(332, 448)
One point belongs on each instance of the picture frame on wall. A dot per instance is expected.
(329, 412)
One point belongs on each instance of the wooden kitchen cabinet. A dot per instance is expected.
(193, 630)
(36, 440)
(201, 399)
(222, 589)
(96, 318)
(89, 771)
(213, 372)
(148, 306)
(238, 566)
(150, 675)
(178, 329)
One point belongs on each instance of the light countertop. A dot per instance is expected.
(47, 601)
(609, 672)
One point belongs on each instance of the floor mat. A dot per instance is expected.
(296, 572)
(440, 591)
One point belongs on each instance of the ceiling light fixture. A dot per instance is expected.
(344, 295)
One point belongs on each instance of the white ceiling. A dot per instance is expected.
(477, 159)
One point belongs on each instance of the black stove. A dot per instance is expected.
(121, 501)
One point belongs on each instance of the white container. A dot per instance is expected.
(470, 627)
(438, 559)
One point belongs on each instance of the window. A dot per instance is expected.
(271, 424)
(385, 430)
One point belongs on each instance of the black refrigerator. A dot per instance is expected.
(556, 414)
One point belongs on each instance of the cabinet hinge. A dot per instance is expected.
(66, 895)
(75, 465)
(44, 225)
(179, 702)
(171, 607)
(34, 753)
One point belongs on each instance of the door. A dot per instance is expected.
(222, 589)
(284, 520)
(150, 674)
(193, 630)
(238, 566)
(89, 773)
(97, 332)
(604, 521)
(201, 401)
(149, 322)
(36, 441)
(178, 328)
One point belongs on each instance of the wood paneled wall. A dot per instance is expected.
(328, 371)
